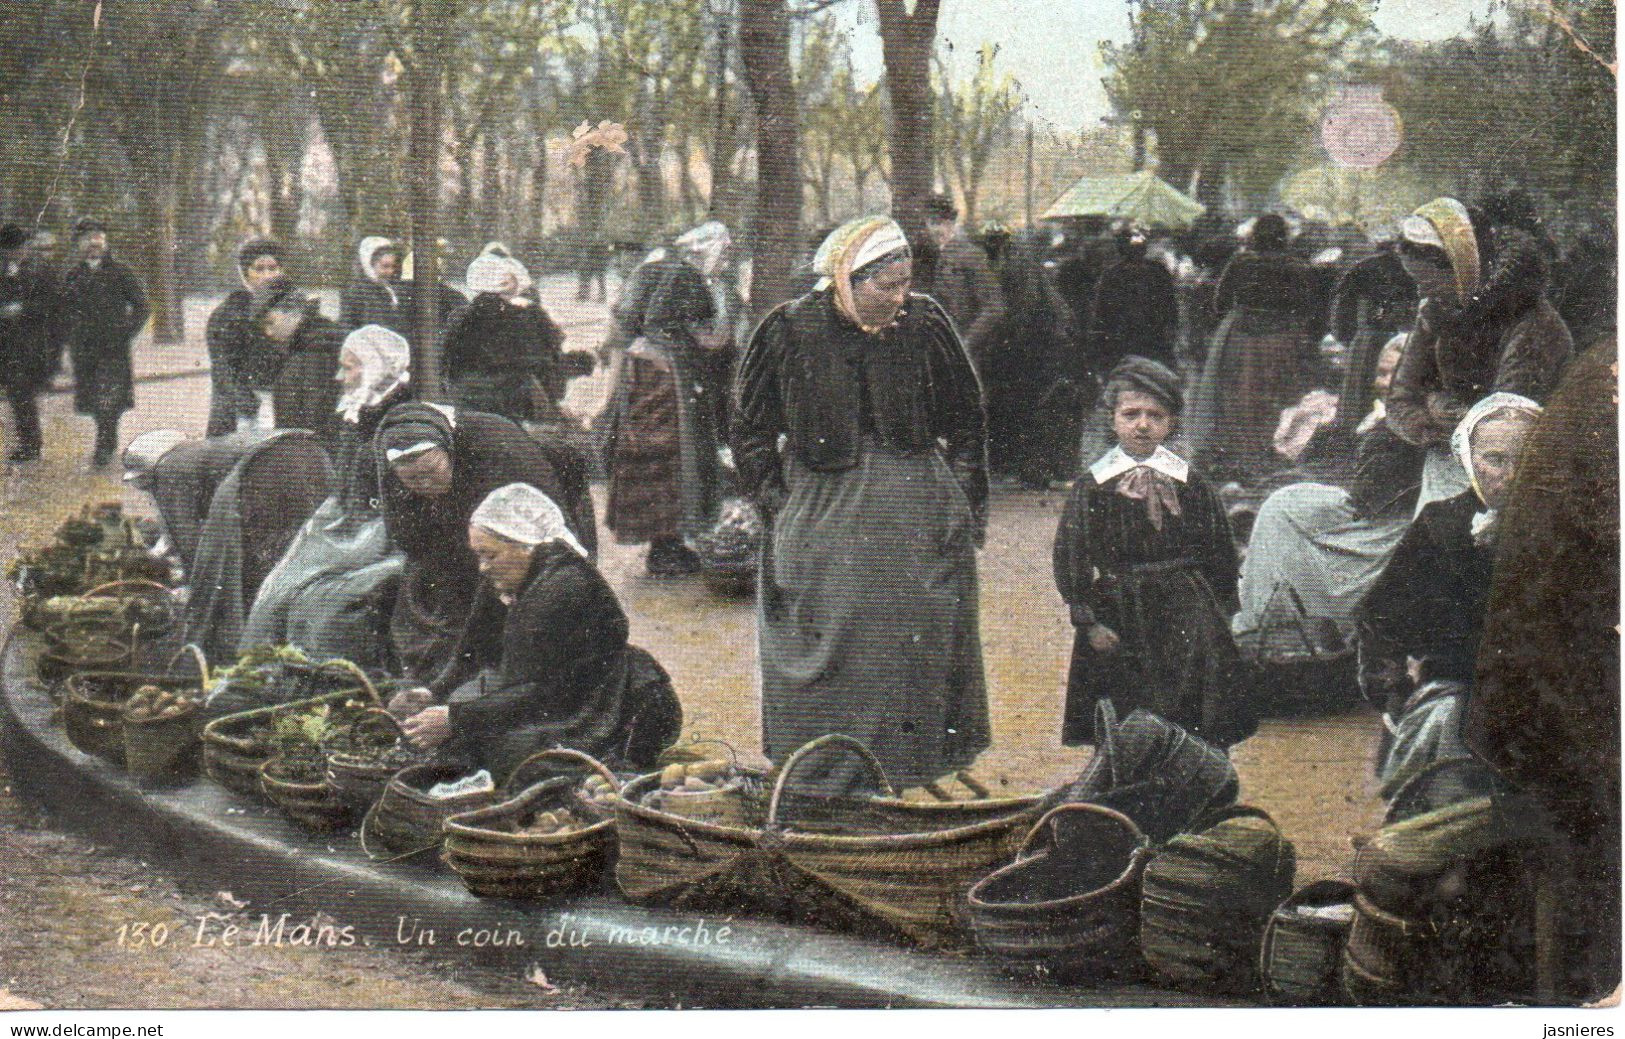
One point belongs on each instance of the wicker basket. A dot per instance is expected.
(359, 782)
(1301, 954)
(1071, 900)
(313, 806)
(494, 860)
(905, 865)
(93, 703)
(1209, 895)
(406, 822)
(156, 747)
(76, 646)
(692, 863)
(233, 754)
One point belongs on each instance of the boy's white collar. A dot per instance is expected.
(1117, 461)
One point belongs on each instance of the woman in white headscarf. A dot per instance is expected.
(502, 353)
(667, 414)
(331, 593)
(1483, 325)
(379, 297)
(543, 660)
(876, 501)
(1427, 607)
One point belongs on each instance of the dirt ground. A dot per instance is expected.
(1312, 775)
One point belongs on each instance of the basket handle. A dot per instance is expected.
(565, 754)
(349, 667)
(193, 650)
(1043, 831)
(834, 739)
(1432, 768)
(129, 584)
(733, 755)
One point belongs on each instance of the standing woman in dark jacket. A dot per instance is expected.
(1146, 564)
(543, 660)
(232, 333)
(435, 465)
(296, 374)
(868, 602)
(500, 349)
(1134, 311)
(105, 308)
(1262, 358)
(379, 298)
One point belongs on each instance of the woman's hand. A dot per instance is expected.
(408, 702)
(430, 728)
(1103, 639)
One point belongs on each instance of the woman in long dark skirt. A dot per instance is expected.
(868, 622)
(1145, 561)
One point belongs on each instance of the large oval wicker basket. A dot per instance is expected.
(234, 746)
(406, 822)
(905, 865)
(489, 849)
(359, 781)
(1303, 946)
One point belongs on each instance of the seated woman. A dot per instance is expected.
(1145, 561)
(543, 659)
(436, 464)
(331, 591)
(1420, 624)
(1320, 546)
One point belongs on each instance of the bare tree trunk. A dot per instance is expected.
(764, 46)
(906, 41)
(426, 75)
(163, 289)
(538, 185)
(490, 186)
(723, 125)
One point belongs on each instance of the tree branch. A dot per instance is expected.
(1557, 18)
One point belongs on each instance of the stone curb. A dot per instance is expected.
(215, 840)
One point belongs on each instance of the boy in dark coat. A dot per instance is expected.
(28, 343)
(105, 307)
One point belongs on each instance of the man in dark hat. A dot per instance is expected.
(28, 345)
(963, 280)
(291, 367)
(1134, 311)
(232, 333)
(104, 307)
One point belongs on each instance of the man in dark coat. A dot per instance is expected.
(28, 342)
(963, 281)
(1134, 309)
(298, 373)
(231, 333)
(104, 306)
(1545, 713)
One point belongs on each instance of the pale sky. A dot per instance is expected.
(1052, 46)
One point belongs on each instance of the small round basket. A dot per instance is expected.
(490, 849)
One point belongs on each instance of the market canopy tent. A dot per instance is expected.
(1142, 197)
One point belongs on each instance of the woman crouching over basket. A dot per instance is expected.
(1145, 561)
(543, 660)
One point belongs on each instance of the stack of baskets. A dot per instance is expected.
(1208, 896)
(501, 852)
(1443, 909)
(1303, 946)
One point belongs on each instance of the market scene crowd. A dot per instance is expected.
(1292, 467)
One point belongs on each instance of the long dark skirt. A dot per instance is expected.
(1253, 372)
(1176, 658)
(429, 614)
(868, 621)
(645, 465)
